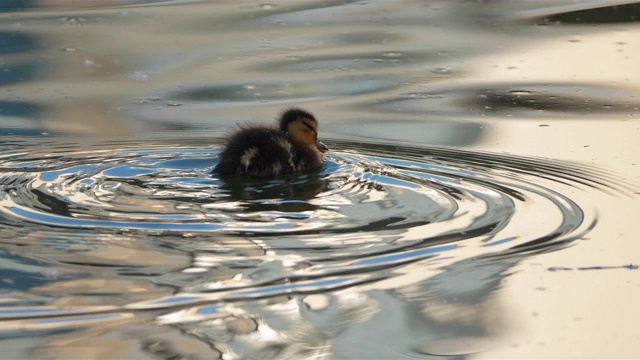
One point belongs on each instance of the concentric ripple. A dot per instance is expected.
(399, 193)
(373, 208)
(147, 228)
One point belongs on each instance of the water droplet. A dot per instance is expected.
(51, 273)
(520, 92)
(75, 21)
(441, 71)
(393, 54)
(140, 76)
(90, 64)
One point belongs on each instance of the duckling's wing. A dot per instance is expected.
(256, 152)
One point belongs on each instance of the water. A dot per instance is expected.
(478, 200)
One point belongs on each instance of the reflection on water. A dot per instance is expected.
(116, 240)
(129, 217)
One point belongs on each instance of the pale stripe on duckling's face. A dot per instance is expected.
(303, 131)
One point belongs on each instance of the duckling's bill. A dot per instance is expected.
(322, 147)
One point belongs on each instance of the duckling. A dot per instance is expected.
(265, 151)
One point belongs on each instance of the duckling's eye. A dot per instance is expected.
(310, 128)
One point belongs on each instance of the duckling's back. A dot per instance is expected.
(256, 151)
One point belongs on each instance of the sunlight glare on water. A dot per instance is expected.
(482, 154)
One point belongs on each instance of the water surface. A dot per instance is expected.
(481, 182)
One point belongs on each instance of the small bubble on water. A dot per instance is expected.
(520, 92)
(75, 21)
(140, 76)
(173, 103)
(249, 87)
(51, 273)
(90, 64)
(267, 6)
(392, 54)
(69, 48)
(441, 71)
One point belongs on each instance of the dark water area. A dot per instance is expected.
(478, 200)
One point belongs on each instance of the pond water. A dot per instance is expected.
(478, 201)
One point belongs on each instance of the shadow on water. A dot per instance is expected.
(23, 113)
(585, 14)
(17, 42)
(286, 193)
(279, 91)
(25, 5)
(518, 100)
(19, 117)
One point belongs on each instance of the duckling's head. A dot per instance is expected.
(302, 127)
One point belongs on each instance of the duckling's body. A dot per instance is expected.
(264, 151)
